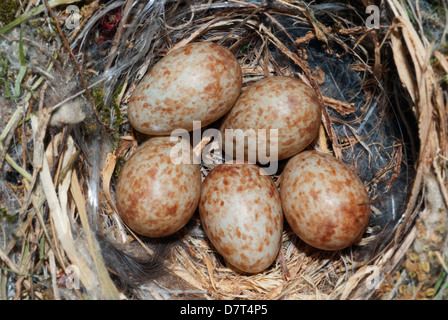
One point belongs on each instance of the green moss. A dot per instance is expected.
(117, 107)
(119, 116)
(103, 110)
(4, 74)
(8, 9)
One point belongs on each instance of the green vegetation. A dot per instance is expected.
(8, 10)
(103, 110)
(5, 215)
(117, 107)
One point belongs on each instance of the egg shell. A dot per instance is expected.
(324, 201)
(198, 82)
(277, 102)
(241, 213)
(154, 196)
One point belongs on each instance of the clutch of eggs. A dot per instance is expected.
(241, 210)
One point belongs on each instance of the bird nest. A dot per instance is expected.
(68, 69)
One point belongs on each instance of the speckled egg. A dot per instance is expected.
(277, 102)
(324, 201)
(198, 82)
(156, 197)
(241, 213)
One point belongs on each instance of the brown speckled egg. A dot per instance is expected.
(324, 202)
(241, 214)
(277, 102)
(198, 82)
(154, 196)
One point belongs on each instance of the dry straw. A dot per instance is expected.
(384, 92)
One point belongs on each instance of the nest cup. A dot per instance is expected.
(384, 115)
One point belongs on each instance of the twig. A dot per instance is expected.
(78, 67)
(9, 263)
(18, 287)
(53, 275)
(56, 106)
(7, 137)
(256, 11)
(443, 189)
